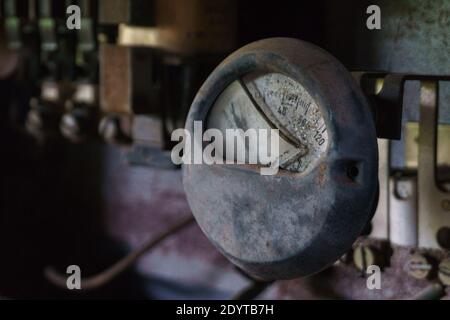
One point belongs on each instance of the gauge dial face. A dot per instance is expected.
(273, 100)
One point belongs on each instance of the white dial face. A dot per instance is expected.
(273, 100)
(291, 108)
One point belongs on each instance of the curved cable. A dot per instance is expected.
(252, 291)
(434, 291)
(120, 266)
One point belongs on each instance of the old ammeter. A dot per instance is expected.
(308, 214)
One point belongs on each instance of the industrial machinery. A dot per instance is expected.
(351, 185)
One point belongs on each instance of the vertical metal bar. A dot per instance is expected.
(403, 211)
(32, 10)
(431, 214)
(381, 220)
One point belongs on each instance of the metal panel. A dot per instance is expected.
(380, 221)
(433, 211)
(115, 78)
(403, 211)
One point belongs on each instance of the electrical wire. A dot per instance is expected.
(252, 291)
(434, 291)
(99, 280)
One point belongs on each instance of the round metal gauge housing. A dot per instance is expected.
(306, 216)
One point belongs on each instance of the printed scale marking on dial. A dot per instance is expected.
(291, 108)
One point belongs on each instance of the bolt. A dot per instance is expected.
(444, 272)
(364, 256)
(403, 189)
(75, 124)
(34, 121)
(420, 266)
(42, 119)
(446, 205)
(70, 127)
(110, 129)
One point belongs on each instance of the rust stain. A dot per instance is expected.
(321, 178)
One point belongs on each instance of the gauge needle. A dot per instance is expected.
(271, 121)
(286, 158)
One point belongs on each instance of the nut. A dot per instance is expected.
(419, 266)
(444, 272)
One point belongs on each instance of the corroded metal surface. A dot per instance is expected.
(345, 282)
(432, 216)
(414, 36)
(289, 225)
